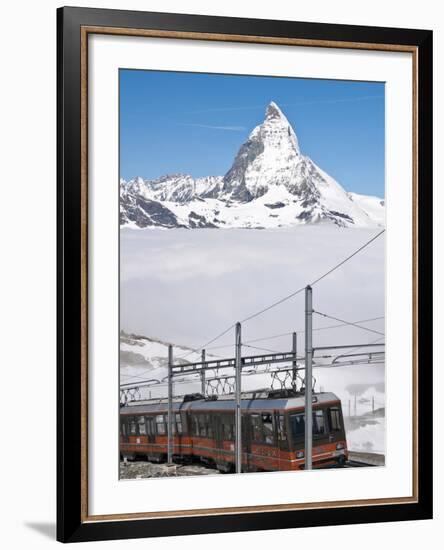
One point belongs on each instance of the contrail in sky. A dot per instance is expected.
(211, 127)
(297, 104)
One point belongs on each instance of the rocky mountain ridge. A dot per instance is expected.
(270, 184)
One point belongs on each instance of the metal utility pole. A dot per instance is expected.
(295, 365)
(355, 404)
(238, 416)
(373, 404)
(170, 404)
(202, 375)
(308, 377)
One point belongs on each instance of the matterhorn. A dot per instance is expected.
(270, 184)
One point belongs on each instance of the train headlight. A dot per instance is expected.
(340, 446)
(300, 454)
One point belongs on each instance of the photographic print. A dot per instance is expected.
(252, 274)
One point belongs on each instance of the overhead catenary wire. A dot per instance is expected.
(298, 332)
(247, 343)
(350, 323)
(196, 381)
(204, 346)
(334, 268)
(351, 364)
(252, 341)
(150, 370)
(260, 349)
(347, 259)
(362, 346)
(162, 383)
(285, 298)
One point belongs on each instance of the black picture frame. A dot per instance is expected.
(71, 523)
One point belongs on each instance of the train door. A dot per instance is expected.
(221, 458)
(123, 429)
(335, 424)
(282, 440)
(150, 429)
(320, 432)
(217, 430)
(246, 441)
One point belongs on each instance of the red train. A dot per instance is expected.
(273, 426)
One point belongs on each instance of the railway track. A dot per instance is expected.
(356, 464)
(360, 459)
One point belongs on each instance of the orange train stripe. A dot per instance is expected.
(263, 456)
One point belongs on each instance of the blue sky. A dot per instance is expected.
(194, 123)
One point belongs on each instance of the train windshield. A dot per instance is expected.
(297, 424)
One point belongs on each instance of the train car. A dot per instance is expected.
(273, 430)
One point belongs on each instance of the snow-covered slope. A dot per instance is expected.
(373, 206)
(140, 354)
(270, 184)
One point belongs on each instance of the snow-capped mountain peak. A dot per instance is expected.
(269, 163)
(268, 157)
(276, 121)
(273, 111)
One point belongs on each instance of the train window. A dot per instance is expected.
(202, 425)
(195, 426)
(150, 425)
(334, 419)
(297, 425)
(230, 432)
(178, 423)
(281, 432)
(132, 426)
(267, 422)
(160, 424)
(318, 422)
(209, 423)
(227, 428)
(256, 427)
(123, 428)
(142, 425)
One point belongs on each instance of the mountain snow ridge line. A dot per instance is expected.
(270, 184)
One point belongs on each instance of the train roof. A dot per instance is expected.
(227, 403)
